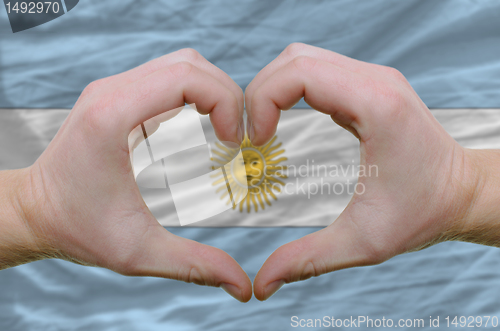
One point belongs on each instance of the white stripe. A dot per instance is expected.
(303, 133)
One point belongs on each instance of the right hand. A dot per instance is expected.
(425, 184)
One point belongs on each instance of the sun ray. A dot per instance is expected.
(219, 161)
(276, 180)
(270, 191)
(270, 150)
(224, 148)
(281, 159)
(220, 188)
(248, 202)
(225, 194)
(237, 197)
(252, 197)
(269, 144)
(220, 181)
(226, 157)
(266, 198)
(276, 154)
(260, 200)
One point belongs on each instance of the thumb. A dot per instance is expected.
(166, 255)
(335, 247)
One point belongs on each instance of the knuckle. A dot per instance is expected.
(395, 104)
(93, 87)
(309, 265)
(295, 49)
(195, 277)
(239, 93)
(304, 63)
(191, 274)
(189, 54)
(310, 269)
(389, 98)
(99, 113)
(194, 271)
(181, 69)
(394, 74)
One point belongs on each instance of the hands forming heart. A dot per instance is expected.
(80, 202)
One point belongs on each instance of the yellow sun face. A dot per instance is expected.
(262, 173)
(255, 165)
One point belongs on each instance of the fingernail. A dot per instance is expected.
(232, 290)
(273, 288)
(241, 131)
(250, 129)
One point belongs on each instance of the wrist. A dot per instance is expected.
(480, 220)
(19, 244)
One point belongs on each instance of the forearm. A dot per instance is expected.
(481, 223)
(17, 242)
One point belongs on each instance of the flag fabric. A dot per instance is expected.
(305, 176)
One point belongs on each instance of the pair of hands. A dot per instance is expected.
(80, 202)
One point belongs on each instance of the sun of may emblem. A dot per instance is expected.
(263, 173)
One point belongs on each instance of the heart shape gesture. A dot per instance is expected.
(80, 202)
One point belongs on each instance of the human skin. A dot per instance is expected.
(429, 189)
(79, 201)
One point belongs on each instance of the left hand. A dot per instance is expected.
(426, 183)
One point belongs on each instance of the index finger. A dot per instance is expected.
(117, 114)
(295, 50)
(183, 55)
(333, 90)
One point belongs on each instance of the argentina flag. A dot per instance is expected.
(249, 200)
